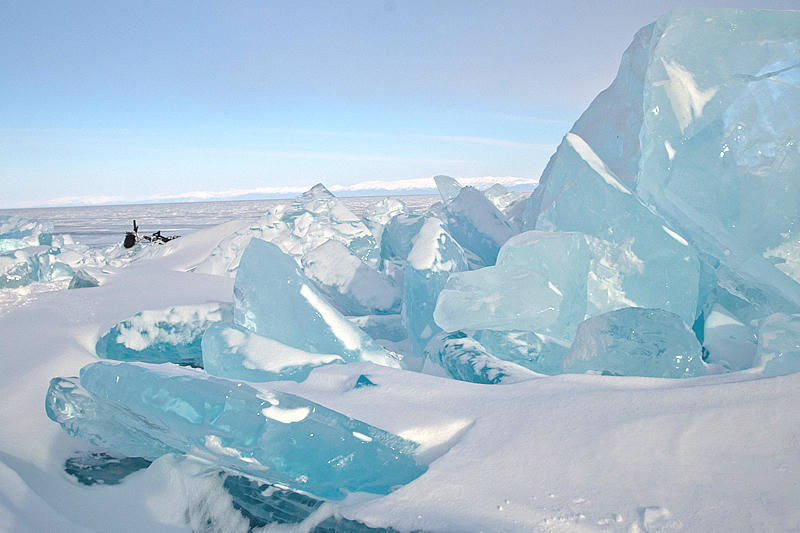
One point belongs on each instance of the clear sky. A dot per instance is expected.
(136, 100)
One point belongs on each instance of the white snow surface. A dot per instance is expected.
(563, 453)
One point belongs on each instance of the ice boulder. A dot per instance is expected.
(149, 410)
(477, 225)
(171, 335)
(272, 297)
(42, 263)
(534, 351)
(464, 359)
(350, 283)
(578, 192)
(82, 280)
(636, 342)
(702, 122)
(779, 344)
(434, 257)
(539, 284)
(234, 352)
(448, 187)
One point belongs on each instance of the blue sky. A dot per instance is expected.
(113, 101)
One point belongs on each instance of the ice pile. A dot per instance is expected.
(660, 242)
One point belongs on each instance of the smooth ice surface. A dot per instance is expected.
(434, 257)
(464, 358)
(702, 123)
(534, 351)
(537, 285)
(163, 336)
(234, 352)
(477, 225)
(779, 344)
(273, 298)
(636, 342)
(147, 411)
(350, 283)
(578, 192)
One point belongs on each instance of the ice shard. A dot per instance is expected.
(147, 411)
(464, 359)
(477, 225)
(17, 232)
(636, 342)
(448, 187)
(273, 298)
(578, 192)
(350, 283)
(163, 336)
(539, 284)
(434, 257)
(399, 234)
(234, 352)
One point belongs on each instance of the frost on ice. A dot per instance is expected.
(661, 241)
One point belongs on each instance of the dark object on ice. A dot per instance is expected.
(94, 468)
(131, 238)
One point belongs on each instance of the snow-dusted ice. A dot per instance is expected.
(618, 352)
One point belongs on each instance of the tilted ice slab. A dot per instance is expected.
(147, 411)
(399, 234)
(578, 192)
(163, 336)
(350, 283)
(464, 359)
(473, 220)
(702, 121)
(636, 342)
(273, 298)
(539, 284)
(234, 352)
(434, 257)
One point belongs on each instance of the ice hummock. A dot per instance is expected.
(148, 411)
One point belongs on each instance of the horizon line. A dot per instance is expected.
(374, 187)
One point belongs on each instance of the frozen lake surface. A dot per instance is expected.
(106, 224)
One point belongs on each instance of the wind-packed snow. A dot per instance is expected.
(628, 363)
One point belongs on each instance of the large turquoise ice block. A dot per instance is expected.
(702, 122)
(234, 352)
(539, 284)
(434, 257)
(578, 192)
(528, 349)
(273, 298)
(636, 342)
(163, 335)
(149, 410)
